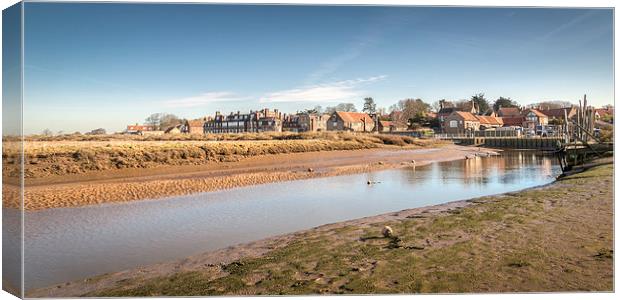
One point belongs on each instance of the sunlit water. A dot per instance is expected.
(73, 243)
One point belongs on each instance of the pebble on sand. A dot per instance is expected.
(387, 231)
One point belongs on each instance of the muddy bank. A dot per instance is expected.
(558, 237)
(128, 185)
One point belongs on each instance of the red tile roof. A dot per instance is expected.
(513, 121)
(140, 128)
(536, 112)
(558, 112)
(354, 117)
(385, 123)
(509, 111)
(604, 112)
(467, 116)
(488, 120)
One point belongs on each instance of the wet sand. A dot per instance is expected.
(138, 184)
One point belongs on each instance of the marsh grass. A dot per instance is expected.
(45, 156)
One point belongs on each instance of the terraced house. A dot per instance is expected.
(256, 121)
(302, 122)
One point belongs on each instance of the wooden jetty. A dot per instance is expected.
(518, 143)
(580, 144)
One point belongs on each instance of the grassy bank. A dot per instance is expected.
(85, 154)
(553, 238)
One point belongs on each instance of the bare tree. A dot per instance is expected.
(545, 105)
(462, 104)
(436, 106)
(47, 132)
(316, 110)
(169, 120)
(381, 111)
(348, 107)
(411, 109)
(162, 120)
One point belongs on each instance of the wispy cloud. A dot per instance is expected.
(327, 92)
(334, 63)
(373, 34)
(204, 99)
(567, 25)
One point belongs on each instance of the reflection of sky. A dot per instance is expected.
(11, 246)
(112, 237)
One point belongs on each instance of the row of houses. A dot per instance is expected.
(463, 121)
(460, 121)
(451, 120)
(267, 120)
(255, 121)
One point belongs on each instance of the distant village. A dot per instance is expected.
(412, 116)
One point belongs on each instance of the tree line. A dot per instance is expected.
(415, 111)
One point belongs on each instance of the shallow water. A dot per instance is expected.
(72, 243)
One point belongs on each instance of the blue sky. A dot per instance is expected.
(109, 65)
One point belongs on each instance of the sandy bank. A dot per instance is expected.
(557, 237)
(132, 184)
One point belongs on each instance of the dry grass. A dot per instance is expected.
(45, 156)
(327, 135)
(607, 134)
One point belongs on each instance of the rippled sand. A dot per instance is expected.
(257, 170)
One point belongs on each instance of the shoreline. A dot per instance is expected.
(218, 260)
(175, 181)
(230, 254)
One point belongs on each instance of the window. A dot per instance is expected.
(453, 123)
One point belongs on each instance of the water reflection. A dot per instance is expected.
(507, 169)
(72, 243)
